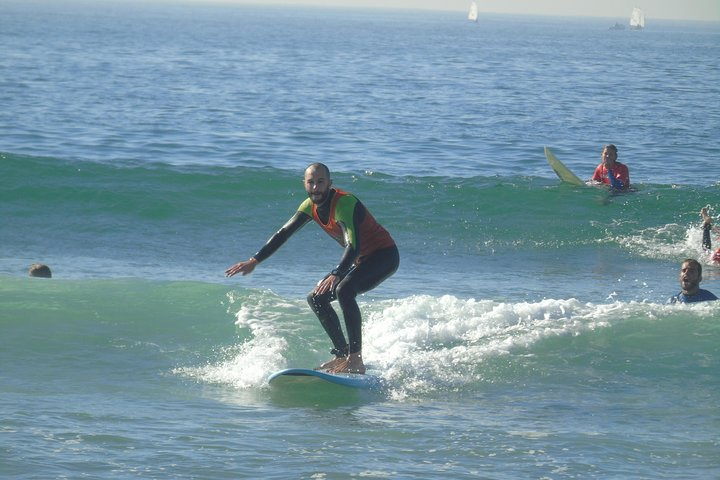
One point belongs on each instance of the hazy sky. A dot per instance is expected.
(661, 9)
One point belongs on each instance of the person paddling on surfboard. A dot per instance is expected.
(610, 171)
(370, 257)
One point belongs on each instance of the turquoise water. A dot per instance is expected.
(144, 149)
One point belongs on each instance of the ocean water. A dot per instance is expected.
(144, 148)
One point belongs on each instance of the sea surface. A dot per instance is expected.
(144, 148)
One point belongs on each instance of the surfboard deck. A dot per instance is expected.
(561, 170)
(297, 375)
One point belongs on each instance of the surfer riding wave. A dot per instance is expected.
(370, 256)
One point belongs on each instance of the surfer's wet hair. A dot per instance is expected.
(694, 263)
(319, 165)
(40, 270)
(612, 147)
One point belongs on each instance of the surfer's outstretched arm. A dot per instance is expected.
(271, 246)
(707, 226)
(707, 219)
(244, 268)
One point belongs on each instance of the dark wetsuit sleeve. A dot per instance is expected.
(280, 237)
(351, 230)
(706, 242)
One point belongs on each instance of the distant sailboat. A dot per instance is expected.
(473, 14)
(637, 19)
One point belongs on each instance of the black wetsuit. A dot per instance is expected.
(370, 256)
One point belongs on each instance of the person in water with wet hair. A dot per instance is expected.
(39, 270)
(610, 171)
(690, 278)
(370, 256)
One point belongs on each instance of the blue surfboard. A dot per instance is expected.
(353, 380)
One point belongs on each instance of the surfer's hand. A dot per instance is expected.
(242, 267)
(325, 285)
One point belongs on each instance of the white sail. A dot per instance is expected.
(473, 13)
(637, 19)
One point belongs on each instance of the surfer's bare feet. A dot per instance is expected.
(353, 363)
(330, 364)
